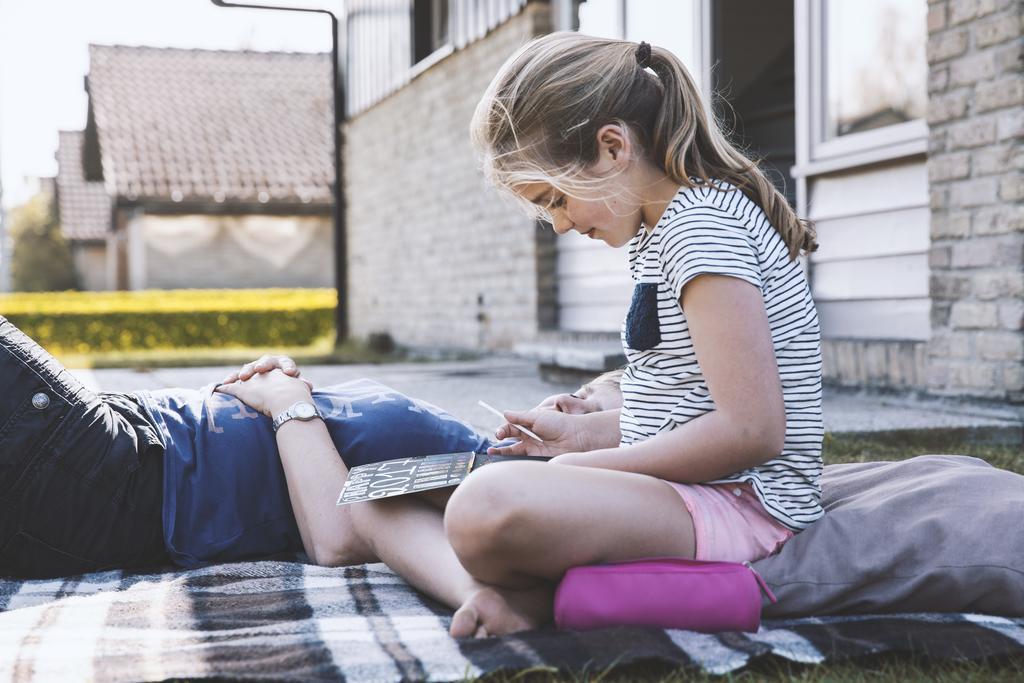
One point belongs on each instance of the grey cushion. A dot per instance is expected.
(935, 533)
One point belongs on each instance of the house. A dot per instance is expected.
(216, 168)
(895, 126)
(84, 211)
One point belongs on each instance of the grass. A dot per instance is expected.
(877, 669)
(837, 449)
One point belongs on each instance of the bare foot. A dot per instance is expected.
(496, 611)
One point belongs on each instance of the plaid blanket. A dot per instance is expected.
(291, 621)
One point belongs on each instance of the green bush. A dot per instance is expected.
(41, 257)
(86, 322)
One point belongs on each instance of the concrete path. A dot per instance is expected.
(505, 383)
(510, 382)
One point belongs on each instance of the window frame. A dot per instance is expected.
(853, 149)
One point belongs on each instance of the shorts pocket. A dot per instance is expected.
(643, 328)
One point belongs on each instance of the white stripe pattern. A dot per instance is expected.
(721, 231)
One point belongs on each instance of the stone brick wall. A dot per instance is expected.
(875, 363)
(976, 122)
(435, 258)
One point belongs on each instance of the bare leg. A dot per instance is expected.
(518, 527)
(408, 534)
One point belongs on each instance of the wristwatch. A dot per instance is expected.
(300, 410)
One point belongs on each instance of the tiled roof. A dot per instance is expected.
(213, 126)
(84, 206)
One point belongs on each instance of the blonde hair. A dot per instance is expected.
(612, 378)
(538, 121)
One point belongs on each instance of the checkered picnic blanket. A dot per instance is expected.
(291, 621)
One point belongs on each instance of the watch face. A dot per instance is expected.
(305, 411)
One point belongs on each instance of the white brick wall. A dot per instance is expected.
(435, 258)
(976, 95)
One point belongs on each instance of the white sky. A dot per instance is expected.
(44, 57)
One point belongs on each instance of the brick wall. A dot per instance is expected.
(876, 363)
(435, 258)
(976, 122)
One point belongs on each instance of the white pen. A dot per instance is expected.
(524, 430)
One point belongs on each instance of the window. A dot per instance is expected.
(875, 64)
(867, 88)
(429, 28)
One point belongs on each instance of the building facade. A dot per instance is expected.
(894, 125)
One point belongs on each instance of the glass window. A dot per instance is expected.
(875, 61)
(429, 27)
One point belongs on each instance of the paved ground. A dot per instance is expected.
(505, 383)
(508, 382)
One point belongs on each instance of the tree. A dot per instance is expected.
(41, 258)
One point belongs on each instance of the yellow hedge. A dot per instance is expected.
(85, 322)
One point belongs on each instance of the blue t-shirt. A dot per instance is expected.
(225, 496)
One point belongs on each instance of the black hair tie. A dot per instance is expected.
(643, 54)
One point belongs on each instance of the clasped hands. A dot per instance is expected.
(270, 385)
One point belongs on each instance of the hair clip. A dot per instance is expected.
(643, 54)
(568, 131)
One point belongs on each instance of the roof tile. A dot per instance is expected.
(213, 125)
(84, 206)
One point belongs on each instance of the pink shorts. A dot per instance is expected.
(729, 522)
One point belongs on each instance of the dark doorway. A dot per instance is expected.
(753, 78)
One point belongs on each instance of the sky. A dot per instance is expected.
(44, 57)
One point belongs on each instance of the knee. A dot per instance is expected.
(484, 510)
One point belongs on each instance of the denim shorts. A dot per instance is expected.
(81, 474)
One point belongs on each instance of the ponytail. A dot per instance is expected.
(689, 143)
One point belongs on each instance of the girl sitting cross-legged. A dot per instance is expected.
(715, 452)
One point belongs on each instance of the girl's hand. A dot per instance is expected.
(264, 365)
(561, 433)
(271, 393)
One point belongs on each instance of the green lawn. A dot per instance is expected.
(880, 669)
(847, 449)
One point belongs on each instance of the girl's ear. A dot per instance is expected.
(613, 144)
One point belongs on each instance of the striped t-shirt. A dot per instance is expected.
(721, 231)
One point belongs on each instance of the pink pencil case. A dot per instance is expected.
(669, 592)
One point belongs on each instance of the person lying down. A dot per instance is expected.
(197, 476)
